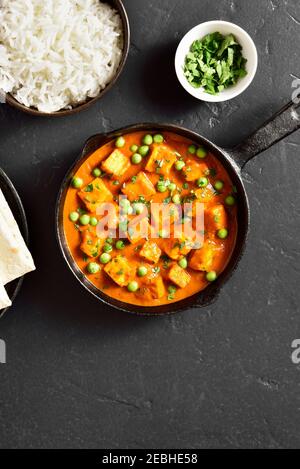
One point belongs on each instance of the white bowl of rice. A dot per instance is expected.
(57, 57)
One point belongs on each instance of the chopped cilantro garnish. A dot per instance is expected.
(89, 188)
(81, 211)
(172, 291)
(215, 63)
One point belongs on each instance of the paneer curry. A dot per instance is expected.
(165, 184)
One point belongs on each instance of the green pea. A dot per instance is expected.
(211, 276)
(77, 182)
(201, 152)
(148, 139)
(84, 219)
(93, 268)
(123, 225)
(183, 263)
(132, 286)
(176, 199)
(134, 148)
(105, 258)
(230, 200)
(136, 158)
(93, 221)
(192, 149)
(163, 234)
(125, 205)
(223, 233)
(158, 138)
(74, 216)
(172, 289)
(120, 245)
(179, 165)
(202, 182)
(161, 186)
(172, 186)
(124, 202)
(107, 248)
(109, 240)
(219, 185)
(120, 142)
(142, 271)
(138, 208)
(96, 172)
(144, 150)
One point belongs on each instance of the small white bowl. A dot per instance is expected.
(225, 28)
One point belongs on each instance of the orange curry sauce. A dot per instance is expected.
(166, 281)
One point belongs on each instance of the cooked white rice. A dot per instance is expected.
(55, 54)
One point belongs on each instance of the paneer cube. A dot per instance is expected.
(137, 231)
(162, 217)
(152, 288)
(161, 160)
(95, 194)
(205, 195)
(215, 218)
(140, 186)
(90, 243)
(120, 270)
(116, 164)
(151, 252)
(108, 219)
(179, 276)
(202, 259)
(193, 170)
(176, 248)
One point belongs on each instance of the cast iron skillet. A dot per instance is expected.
(286, 121)
(17, 209)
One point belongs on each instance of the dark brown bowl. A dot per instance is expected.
(118, 5)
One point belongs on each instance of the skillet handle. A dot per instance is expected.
(282, 124)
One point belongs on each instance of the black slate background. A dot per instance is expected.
(81, 375)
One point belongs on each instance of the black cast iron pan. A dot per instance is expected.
(286, 121)
(17, 209)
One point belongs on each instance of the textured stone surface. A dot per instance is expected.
(82, 375)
